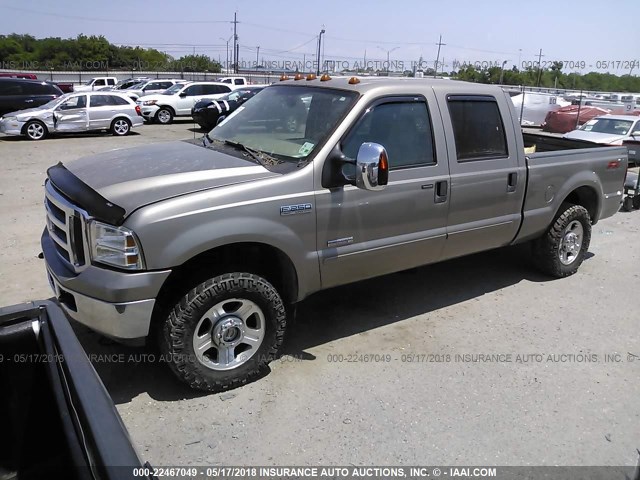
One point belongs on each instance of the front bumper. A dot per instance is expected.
(113, 303)
(11, 127)
(149, 111)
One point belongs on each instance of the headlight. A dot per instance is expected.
(9, 119)
(117, 246)
(149, 102)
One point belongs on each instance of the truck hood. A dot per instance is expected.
(134, 177)
(595, 137)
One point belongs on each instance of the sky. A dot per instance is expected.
(586, 34)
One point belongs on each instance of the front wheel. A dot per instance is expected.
(164, 116)
(224, 332)
(35, 130)
(561, 250)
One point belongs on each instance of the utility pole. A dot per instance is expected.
(235, 42)
(257, 55)
(319, 45)
(439, 44)
(539, 67)
(364, 65)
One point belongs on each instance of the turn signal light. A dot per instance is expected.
(383, 169)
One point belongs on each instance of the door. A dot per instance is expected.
(363, 234)
(487, 182)
(187, 99)
(71, 115)
(101, 110)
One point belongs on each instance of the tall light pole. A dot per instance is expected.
(319, 44)
(227, 42)
(388, 56)
(439, 44)
(257, 56)
(502, 71)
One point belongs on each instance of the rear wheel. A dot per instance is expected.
(561, 250)
(164, 116)
(224, 332)
(35, 130)
(120, 127)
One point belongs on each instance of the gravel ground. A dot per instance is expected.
(548, 396)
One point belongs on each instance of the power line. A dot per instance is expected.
(111, 20)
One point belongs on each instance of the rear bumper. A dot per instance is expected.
(116, 304)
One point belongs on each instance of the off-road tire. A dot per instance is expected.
(176, 337)
(546, 248)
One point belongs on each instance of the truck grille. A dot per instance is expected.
(66, 224)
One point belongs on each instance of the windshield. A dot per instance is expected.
(89, 82)
(285, 122)
(243, 92)
(608, 125)
(174, 89)
(54, 102)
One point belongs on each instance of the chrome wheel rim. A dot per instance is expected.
(164, 116)
(35, 131)
(229, 334)
(121, 127)
(571, 243)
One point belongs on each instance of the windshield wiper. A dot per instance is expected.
(259, 156)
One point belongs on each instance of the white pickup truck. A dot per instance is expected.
(97, 83)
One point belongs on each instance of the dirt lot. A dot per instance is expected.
(549, 395)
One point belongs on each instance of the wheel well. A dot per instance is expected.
(585, 197)
(24, 127)
(167, 107)
(122, 117)
(257, 258)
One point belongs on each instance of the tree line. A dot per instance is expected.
(25, 52)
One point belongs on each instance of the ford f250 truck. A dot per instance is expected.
(206, 244)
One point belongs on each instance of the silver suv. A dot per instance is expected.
(75, 112)
(150, 87)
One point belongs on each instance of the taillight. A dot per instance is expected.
(138, 111)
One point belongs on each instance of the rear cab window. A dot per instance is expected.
(478, 127)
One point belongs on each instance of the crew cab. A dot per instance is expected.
(178, 100)
(235, 81)
(206, 244)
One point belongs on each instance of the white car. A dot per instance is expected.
(608, 129)
(97, 83)
(150, 87)
(178, 100)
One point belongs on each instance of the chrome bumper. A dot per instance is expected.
(127, 320)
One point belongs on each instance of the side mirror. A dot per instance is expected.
(372, 167)
(182, 94)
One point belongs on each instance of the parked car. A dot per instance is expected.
(28, 76)
(75, 112)
(205, 244)
(178, 100)
(608, 129)
(150, 87)
(207, 113)
(235, 81)
(96, 84)
(50, 390)
(18, 94)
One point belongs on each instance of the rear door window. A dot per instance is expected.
(11, 88)
(477, 127)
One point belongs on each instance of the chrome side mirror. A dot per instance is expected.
(372, 167)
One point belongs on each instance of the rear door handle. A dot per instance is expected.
(512, 182)
(441, 191)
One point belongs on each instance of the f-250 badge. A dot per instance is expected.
(295, 209)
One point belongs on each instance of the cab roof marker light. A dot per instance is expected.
(311, 76)
(298, 76)
(354, 81)
(283, 78)
(325, 77)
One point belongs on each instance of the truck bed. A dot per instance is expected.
(58, 421)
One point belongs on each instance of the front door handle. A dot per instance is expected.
(512, 182)
(441, 191)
